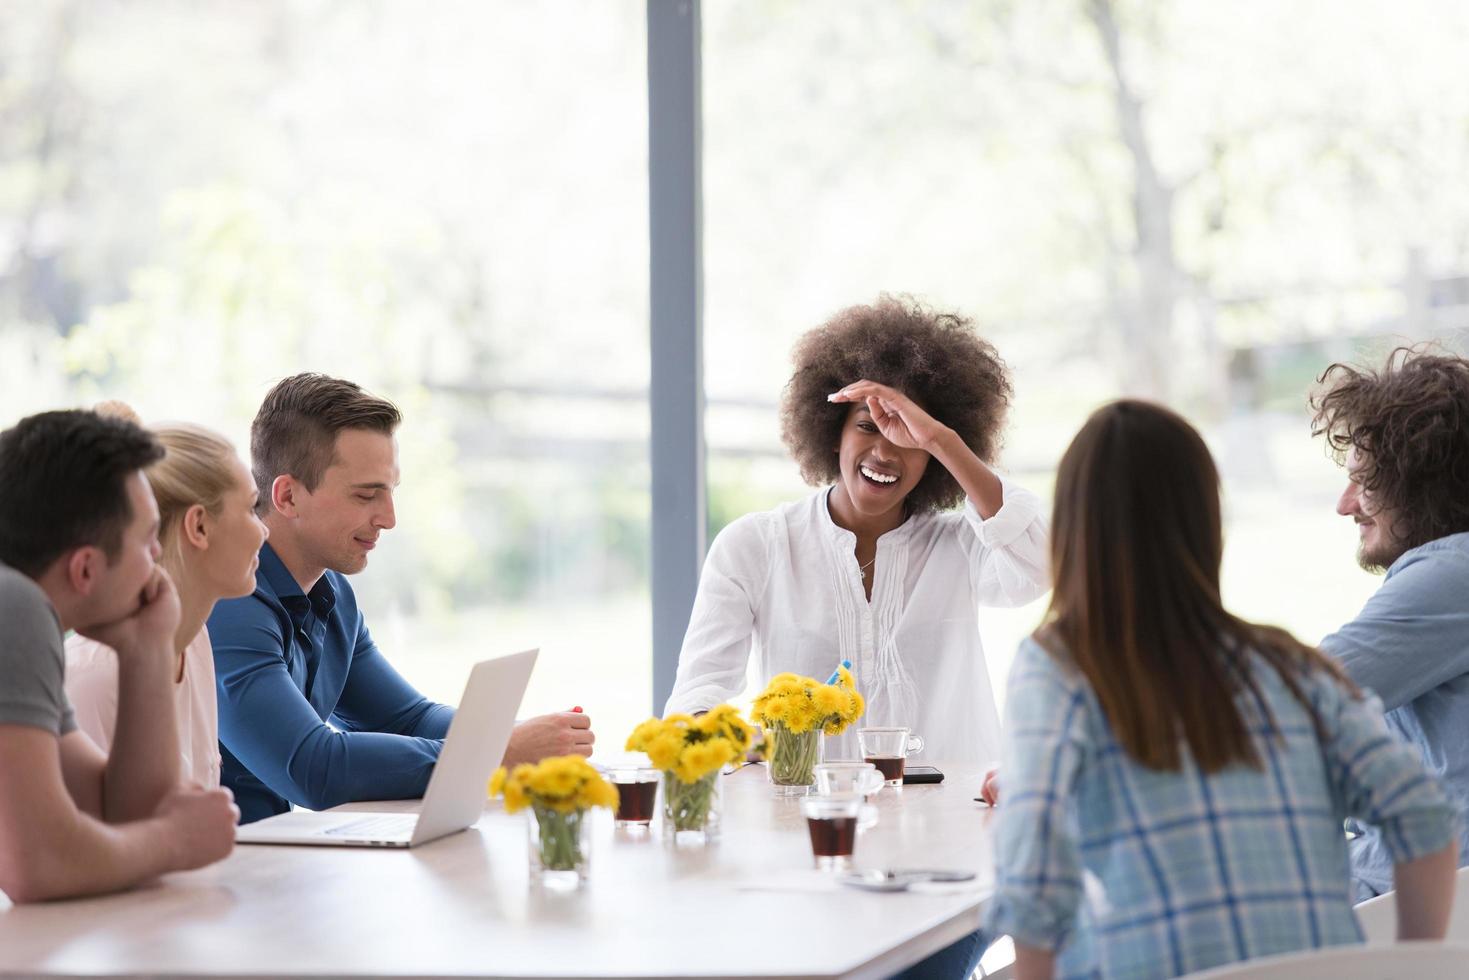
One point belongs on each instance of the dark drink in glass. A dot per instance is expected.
(832, 836)
(891, 767)
(637, 795)
(635, 802)
(888, 749)
(832, 823)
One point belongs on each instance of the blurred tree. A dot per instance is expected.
(1146, 184)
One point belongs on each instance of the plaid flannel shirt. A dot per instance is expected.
(1130, 872)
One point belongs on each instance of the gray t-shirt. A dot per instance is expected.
(32, 662)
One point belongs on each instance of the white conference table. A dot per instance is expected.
(746, 906)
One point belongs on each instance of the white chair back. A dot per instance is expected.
(1405, 961)
(1378, 916)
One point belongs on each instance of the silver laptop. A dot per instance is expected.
(456, 790)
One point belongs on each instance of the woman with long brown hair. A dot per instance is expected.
(1198, 766)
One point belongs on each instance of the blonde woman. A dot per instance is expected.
(210, 538)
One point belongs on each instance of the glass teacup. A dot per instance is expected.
(840, 777)
(887, 749)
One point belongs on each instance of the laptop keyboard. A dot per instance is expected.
(377, 826)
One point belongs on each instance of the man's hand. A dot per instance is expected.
(200, 823)
(563, 733)
(990, 791)
(150, 627)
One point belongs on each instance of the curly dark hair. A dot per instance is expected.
(934, 358)
(1409, 423)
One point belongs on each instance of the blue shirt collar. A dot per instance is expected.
(274, 579)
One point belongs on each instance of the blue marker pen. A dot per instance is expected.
(836, 674)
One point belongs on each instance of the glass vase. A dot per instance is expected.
(560, 846)
(691, 810)
(792, 759)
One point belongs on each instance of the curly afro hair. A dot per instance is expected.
(1409, 423)
(936, 359)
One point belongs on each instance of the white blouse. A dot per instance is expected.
(786, 584)
(91, 686)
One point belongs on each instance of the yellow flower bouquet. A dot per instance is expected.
(691, 752)
(795, 711)
(558, 792)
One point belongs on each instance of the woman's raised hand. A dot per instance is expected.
(897, 416)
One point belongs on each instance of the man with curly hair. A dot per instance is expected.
(1402, 433)
(893, 411)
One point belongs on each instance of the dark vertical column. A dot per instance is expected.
(676, 396)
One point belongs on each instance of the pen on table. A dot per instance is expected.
(836, 674)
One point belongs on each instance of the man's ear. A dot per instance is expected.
(84, 568)
(195, 527)
(283, 490)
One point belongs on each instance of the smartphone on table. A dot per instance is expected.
(922, 774)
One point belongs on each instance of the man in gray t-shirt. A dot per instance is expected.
(31, 658)
(1403, 434)
(79, 550)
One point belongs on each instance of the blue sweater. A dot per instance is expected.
(310, 711)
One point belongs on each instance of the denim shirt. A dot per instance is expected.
(1410, 645)
(310, 712)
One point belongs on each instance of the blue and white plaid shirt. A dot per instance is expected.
(1185, 871)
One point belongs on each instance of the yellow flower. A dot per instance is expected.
(644, 733)
(556, 778)
(515, 797)
(700, 759)
(664, 750)
(828, 700)
(561, 783)
(690, 747)
(602, 793)
(799, 704)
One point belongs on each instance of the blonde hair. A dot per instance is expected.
(197, 468)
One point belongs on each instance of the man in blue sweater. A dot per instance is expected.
(1403, 434)
(310, 711)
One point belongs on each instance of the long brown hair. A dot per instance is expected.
(1136, 542)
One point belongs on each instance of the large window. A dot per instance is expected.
(1200, 202)
(446, 202)
(1205, 203)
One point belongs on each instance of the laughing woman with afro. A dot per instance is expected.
(895, 413)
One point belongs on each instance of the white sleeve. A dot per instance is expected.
(716, 648)
(1009, 552)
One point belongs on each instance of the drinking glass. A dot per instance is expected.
(887, 749)
(862, 779)
(839, 778)
(832, 823)
(637, 795)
